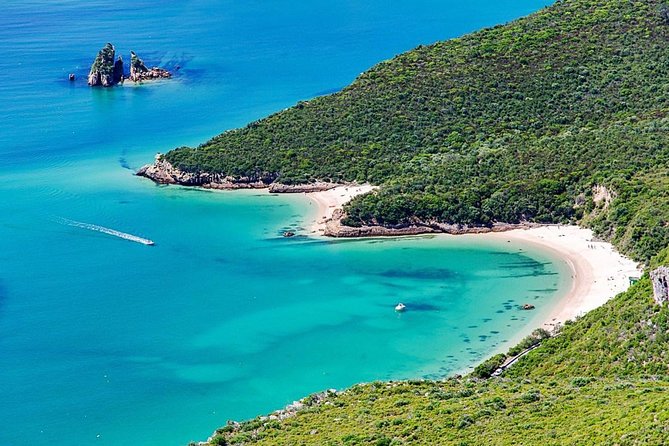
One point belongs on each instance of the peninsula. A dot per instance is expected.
(556, 118)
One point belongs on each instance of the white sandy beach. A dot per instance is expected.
(599, 271)
(329, 200)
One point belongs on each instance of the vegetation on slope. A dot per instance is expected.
(604, 380)
(514, 123)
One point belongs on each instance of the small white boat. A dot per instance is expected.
(400, 307)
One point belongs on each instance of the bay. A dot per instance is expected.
(107, 341)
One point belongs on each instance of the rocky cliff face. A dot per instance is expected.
(335, 228)
(161, 171)
(318, 186)
(139, 72)
(660, 279)
(102, 70)
(118, 70)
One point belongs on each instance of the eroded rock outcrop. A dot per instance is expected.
(335, 228)
(139, 72)
(106, 72)
(660, 279)
(162, 172)
(318, 186)
(102, 70)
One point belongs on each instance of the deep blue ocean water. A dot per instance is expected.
(105, 341)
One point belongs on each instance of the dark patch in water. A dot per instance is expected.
(420, 307)
(532, 274)
(124, 163)
(499, 311)
(3, 294)
(544, 290)
(473, 326)
(494, 331)
(487, 319)
(529, 263)
(423, 273)
(482, 338)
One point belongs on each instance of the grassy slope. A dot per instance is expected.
(507, 124)
(605, 380)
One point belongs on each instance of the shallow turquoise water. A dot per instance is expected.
(111, 342)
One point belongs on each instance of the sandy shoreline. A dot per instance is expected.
(329, 200)
(599, 271)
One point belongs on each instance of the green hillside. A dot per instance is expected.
(514, 123)
(557, 117)
(603, 380)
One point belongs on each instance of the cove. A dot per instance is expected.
(111, 342)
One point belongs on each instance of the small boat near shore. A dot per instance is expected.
(108, 231)
(400, 307)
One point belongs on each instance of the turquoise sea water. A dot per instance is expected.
(106, 341)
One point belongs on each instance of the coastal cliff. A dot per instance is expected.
(334, 227)
(162, 171)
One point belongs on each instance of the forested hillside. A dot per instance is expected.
(514, 123)
(557, 117)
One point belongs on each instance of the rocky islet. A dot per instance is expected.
(107, 70)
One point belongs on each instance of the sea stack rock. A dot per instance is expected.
(139, 72)
(118, 70)
(102, 70)
(106, 72)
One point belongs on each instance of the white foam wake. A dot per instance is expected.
(114, 232)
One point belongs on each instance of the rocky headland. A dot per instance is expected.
(334, 227)
(162, 172)
(107, 70)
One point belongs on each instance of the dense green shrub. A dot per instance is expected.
(509, 124)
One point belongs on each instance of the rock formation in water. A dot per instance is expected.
(660, 279)
(106, 71)
(118, 70)
(102, 70)
(139, 72)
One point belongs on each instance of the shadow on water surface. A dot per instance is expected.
(3, 296)
(423, 273)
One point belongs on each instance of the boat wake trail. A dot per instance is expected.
(115, 233)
